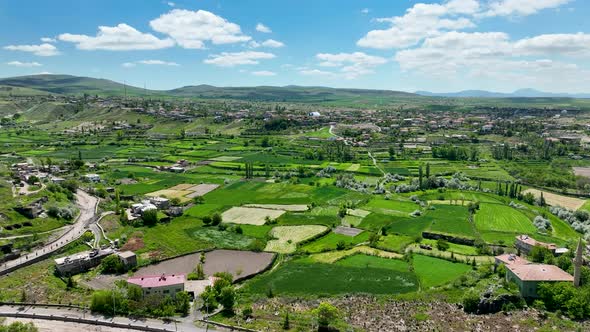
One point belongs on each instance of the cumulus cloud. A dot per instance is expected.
(419, 22)
(150, 63)
(365, 11)
(561, 44)
(264, 73)
(48, 40)
(521, 7)
(263, 28)
(24, 64)
(271, 43)
(316, 72)
(191, 29)
(227, 59)
(350, 65)
(40, 50)
(118, 38)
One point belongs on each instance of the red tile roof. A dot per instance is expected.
(512, 259)
(540, 272)
(157, 281)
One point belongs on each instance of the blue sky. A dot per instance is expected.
(499, 45)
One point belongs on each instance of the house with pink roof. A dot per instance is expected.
(159, 285)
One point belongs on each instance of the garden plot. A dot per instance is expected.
(250, 215)
(185, 191)
(552, 199)
(354, 167)
(201, 189)
(284, 207)
(348, 231)
(287, 237)
(358, 213)
(226, 158)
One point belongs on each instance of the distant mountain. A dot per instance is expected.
(521, 93)
(67, 85)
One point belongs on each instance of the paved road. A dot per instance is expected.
(43, 313)
(87, 205)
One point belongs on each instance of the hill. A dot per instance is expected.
(66, 84)
(521, 93)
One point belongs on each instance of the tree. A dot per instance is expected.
(540, 254)
(112, 264)
(206, 220)
(227, 298)
(198, 200)
(150, 217)
(216, 219)
(19, 327)
(326, 314)
(427, 170)
(442, 245)
(183, 303)
(286, 324)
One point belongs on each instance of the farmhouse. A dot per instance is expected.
(529, 276)
(81, 262)
(526, 243)
(159, 285)
(92, 177)
(160, 202)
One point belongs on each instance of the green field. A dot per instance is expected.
(356, 274)
(451, 219)
(497, 217)
(434, 272)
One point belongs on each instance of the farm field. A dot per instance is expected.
(452, 220)
(570, 203)
(434, 272)
(502, 218)
(286, 238)
(346, 276)
(250, 215)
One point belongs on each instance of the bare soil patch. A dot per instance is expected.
(348, 231)
(552, 199)
(238, 263)
(582, 171)
(250, 216)
(285, 207)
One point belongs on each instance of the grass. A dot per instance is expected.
(451, 219)
(395, 243)
(301, 277)
(286, 237)
(330, 242)
(333, 256)
(502, 218)
(434, 272)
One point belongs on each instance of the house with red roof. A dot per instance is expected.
(160, 285)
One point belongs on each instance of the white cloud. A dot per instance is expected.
(264, 73)
(48, 40)
(419, 22)
(24, 64)
(118, 38)
(171, 4)
(492, 56)
(365, 11)
(158, 62)
(315, 72)
(40, 50)
(267, 43)
(44, 73)
(351, 65)
(150, 63)
(521, 7)
(227, 59)
(263, 28)
(560, 44)
(191, 29)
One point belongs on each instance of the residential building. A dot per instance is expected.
(528, 276)
(526, 243)
(128, 258)
(162, 285)
(92, 177)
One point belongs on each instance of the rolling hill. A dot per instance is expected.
(74, 85)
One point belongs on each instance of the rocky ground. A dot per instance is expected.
(369, 314)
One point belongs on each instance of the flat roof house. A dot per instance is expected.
(159, 285)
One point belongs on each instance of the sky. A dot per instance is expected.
(405, 45)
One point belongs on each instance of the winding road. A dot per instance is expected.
(88, 214)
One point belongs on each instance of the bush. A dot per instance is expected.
(150, 217)
(471, 302)
(442, 245)
(216, 219)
